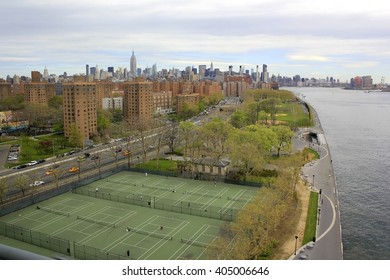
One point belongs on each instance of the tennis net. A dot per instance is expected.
(53, 211)
(99, 222)
(151, 233)
(195, 243)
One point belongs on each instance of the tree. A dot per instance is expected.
(75, 137)
(56, 102)
(160, 136)
(103, 120)
(271, 106)
(22, 183)
(284, 138)
(3, 188)
(239, 119)
(216, 134)
(45, 145)
(185, 132)
(247, 157)
(143, 134)
(265, 137)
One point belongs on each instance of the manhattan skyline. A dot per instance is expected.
(317, 39)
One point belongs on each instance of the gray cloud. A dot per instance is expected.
(71, 33)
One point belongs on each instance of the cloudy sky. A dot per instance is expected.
(313, 38)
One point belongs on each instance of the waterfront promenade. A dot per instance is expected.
(320, 177)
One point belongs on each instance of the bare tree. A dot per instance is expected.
(3, 188)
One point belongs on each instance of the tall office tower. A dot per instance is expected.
(138, 102)
(97, 73)
(211, 67)
(241, 70)
(110, 70)
(45, 73)
(154, 70)
(125, 74)
(80, 110)
(86, 70)
(257, 73)
(265, 74)
(230, 70)
(133, 65)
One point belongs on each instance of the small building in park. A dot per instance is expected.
(211, 166)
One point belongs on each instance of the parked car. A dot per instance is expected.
(94, 157)
(31, 163)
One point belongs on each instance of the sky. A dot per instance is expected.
(311, 38)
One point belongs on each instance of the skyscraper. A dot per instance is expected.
(45, 73)
(86, 69)
(97, 73)
(133, 66)
(264, 74)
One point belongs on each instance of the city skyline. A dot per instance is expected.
(342, 39)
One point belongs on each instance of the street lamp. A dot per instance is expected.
(313, 180)
(296, 241)
(319, 213)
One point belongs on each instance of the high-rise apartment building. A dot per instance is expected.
(80, 111)
(133, 65)
(38, 92)
(183, 100)
(138, 102)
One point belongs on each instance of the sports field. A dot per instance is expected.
(131, 216)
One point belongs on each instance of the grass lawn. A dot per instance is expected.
(161, 165)
(293, 115)
(311, 220)
(31, 149)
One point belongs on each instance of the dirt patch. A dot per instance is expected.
(295, 225)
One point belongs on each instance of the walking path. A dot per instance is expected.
(320, 175)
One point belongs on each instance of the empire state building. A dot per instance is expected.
(133, 66)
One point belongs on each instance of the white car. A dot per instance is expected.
(34, 162)
(36, 183)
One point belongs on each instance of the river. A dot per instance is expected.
(357, 128)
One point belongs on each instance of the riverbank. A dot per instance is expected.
(320, 178)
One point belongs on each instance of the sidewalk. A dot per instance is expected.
(320, 176)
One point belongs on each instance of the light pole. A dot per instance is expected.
(313, 180)
(319, 213)
(296, 242)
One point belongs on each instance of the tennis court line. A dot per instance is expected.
(125, 236)
(184, 246)
(106, 229)
(74, 223)
(163, 243)
(59, 218)
(29, 215)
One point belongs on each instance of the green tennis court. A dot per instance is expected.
(131, 215)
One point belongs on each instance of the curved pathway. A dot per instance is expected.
(320, 176)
